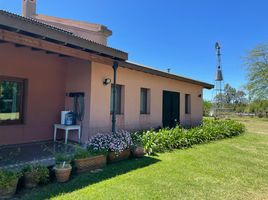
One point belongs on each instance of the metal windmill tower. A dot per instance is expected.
(218, 101)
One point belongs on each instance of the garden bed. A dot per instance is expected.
(118, 146)
(180, 138)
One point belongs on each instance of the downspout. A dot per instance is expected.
(115, 66)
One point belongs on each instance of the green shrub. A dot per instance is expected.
(137, 139)
(44, 174)
(179, 138)
(40, 173)
(81, 153)
(63, 158)
(8, 178)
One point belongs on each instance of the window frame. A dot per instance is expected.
(21, 83)
(120, 109)
(187, 103)
(147, 101)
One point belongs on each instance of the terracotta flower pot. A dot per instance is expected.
(90, 163)
(31, 179)
(115, 156)
(63, 174)
(138, 152)
(7, 193)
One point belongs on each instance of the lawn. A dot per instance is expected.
(255, 125)
(234, 168)
(8, 116)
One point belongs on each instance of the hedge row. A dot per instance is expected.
(179, 138)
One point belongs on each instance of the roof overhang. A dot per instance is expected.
(33, 28)
(156, 72)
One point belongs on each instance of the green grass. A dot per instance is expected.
(255, 125)
(7, 116)
(234, 168)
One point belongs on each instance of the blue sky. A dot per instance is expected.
(176, 34)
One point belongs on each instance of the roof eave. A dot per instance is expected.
(33, 27)
(164, 74)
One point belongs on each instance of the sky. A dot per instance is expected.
(175, 34)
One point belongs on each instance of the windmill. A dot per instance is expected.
(218, 98)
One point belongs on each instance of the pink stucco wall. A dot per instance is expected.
(48, 77)
(44, 92)
(78, 78)
(100, 118)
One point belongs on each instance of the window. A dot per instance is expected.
(118, 99)
(144, 101)
(187, 104)
(11, 100)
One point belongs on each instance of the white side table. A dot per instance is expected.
(67, 129)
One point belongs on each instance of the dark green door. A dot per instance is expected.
(171, 108)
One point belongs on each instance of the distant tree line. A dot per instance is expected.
(237, 101)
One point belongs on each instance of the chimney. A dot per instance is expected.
(28, 8)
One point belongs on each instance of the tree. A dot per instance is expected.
(232, 99)
(257, 72)
(258, 106)
(240, 97)
(229, 94)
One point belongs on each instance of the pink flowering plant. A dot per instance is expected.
(113, 142)
(99, 143)
(120, 141)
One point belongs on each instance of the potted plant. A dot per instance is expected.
(63, 167)
(35, 174)
(86, 160)
(8, 183)
(137, 150)
(119, 146)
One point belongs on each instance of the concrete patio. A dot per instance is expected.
(17, 156)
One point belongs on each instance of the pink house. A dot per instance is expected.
(43, 59)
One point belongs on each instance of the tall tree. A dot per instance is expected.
(229, 94)
(257, 72)
(240, 97)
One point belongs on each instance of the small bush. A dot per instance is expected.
(81, 153)
(40, 173)
(111, 142)
(63, 158)
(179, 138)
(44, 175)
(120, 141)
(8, 178)
(137, 139)
(99, 142)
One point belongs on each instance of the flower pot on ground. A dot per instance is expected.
(8, 183)
(33, 175)
(118, 156)
(86, 160)
(63, 172)
(117, 145)
(63, 167)
(138, 151)
(90, 163)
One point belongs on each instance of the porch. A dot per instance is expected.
(33, 88)
(19, 155)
